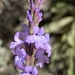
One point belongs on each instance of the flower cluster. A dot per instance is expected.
(31, 43)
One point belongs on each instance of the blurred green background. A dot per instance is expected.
(58, 20)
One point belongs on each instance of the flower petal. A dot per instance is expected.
(34, 71)
(41, 31)
(17, 36)
(48, 49)
(31, 39)
(28, 69)
(35, 29)
(40, 64)
(18, 63)
(47, 37)
(15, 44)
(24, 74)
(25, 28)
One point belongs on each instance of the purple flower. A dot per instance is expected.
(19, 58)
(37, 40)
(19, 63)
(37, 36)
(40, 40)
(42, 46)
(19, 52)
(20, 37)
(48, 49)
(41, 57)
(29, 70)
(31, 43)
(17, 42)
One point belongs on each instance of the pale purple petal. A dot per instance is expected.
(39, 45)
(24, 35)
(19, 52)
(18, 63)
(34, 71)
(40, 52)
(31, 70)
(40, 64)
(35, 29)
(39, 42)
(15, 51)
(41, 58)
(28, 69)
(47, 37)
(41, 31)
(15, 44)
(48, 49)
(33, 6)
(22, 53)
(40, 14)
(43, 39)
(17, 36)
(24, 74)
(31, 39)
(40, 19)
(37, 10)
(25, 28)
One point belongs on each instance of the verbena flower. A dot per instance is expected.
(32, 43)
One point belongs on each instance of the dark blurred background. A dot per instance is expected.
(58, 20)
